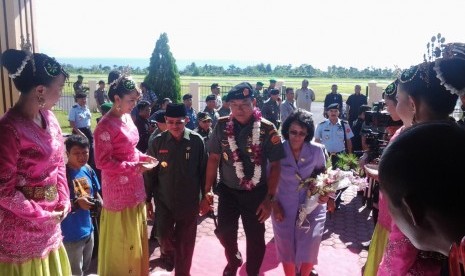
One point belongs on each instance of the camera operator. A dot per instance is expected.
(78, 226)
(357, 126)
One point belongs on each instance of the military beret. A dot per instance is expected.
(80, 95)
(333, 106)
(210, 98)
(175, 110)
(203, 116)
(241, 91)
(274, 92)
(160, 116)
(106, 107)
(272, 81)
(214, 85)
(260, 83)
(187, 96)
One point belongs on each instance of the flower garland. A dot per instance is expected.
(256, 149)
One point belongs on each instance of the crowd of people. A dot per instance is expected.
(149, 158)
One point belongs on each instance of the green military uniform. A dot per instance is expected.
(205, 134)
(178, 181)
(238, 201)
(271, 112)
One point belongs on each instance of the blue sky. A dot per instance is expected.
(357, 33)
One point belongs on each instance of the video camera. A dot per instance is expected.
(95, 210)
(379, 118)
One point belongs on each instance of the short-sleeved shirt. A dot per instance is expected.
(332, 135)
(190, 112)
(271, 146)
(181, 171)
(101, 96)
(304, 98)
(78, 88)
(214, 115)
(271, 111)
(78, 225)
(149, 96)
(80, 115)
(355, 101)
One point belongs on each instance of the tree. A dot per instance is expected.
(163, 76)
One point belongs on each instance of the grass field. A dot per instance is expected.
(321, 86)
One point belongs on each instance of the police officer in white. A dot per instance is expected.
(335, 134)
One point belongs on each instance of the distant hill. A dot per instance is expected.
(144, 62)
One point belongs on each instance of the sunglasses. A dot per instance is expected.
(297, 133)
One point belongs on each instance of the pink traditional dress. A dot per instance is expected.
(32, 185)
(123, 248)
(391, 253)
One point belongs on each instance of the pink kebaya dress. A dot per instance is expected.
(123, 247)
(31, 159)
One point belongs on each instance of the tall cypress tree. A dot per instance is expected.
(163, 76)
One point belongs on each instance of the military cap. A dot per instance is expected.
(260, 83)
(187, 96)
(274, 92)
(106, 107)
(210, 98)
(80, 77)
(80, 95)
(272, 81)
(214, 85)
(160, 116)
(333, 106)
(203, 116)
(241, 91)
(175, 110)
(101, 82)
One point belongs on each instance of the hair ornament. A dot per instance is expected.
(391, 89)
(52, 67)
(21, 68)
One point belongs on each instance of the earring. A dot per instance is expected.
(41, 101)
(118, 108)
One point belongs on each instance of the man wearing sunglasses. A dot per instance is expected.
(177, 183)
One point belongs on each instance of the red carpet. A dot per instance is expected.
(209, 259)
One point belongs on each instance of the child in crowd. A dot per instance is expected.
(77, 227)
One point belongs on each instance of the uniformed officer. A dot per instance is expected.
(246, 144)
(271, 110)
(258, 96)
(79, 87)
(335, 134)
(210, 100)
(266, 92)
(205, 126)
(79, 119)
(177, 182)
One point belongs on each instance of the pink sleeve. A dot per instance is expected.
(399, 255)
(62, 182)
(104, 158)
(11, 198)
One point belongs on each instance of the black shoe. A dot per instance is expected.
(167, 263)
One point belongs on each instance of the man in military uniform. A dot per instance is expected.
(258, 96)
(336, 135)
(177, 183)
(266, 92)
(224, 110)
(246, 145)
(271, 110)
(79, 87)
(205, 126)
(332, 98)
(211, 109)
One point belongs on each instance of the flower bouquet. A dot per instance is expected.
(324, 182)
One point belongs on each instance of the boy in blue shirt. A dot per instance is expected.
(83, 185)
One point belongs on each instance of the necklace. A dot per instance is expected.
(256, 148)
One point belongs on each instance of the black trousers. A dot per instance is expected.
(177, 237)
(233, 204)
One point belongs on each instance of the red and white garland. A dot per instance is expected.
(256, 151)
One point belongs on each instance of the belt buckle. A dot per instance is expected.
(50, 192)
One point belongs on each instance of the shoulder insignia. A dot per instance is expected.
(322, 122)
(276, 139)
(266, 122)
(74, 106)
(273, 132)
(223, 119)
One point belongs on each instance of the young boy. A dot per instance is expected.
(77, 228)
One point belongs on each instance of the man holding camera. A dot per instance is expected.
(78, 227)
